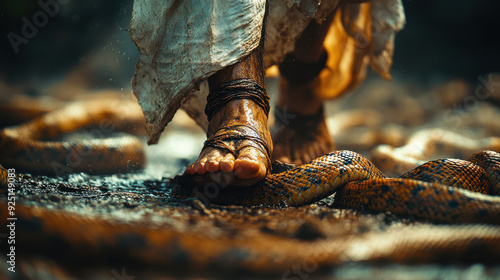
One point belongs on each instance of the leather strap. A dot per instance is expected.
(237, 89)
(240, 136)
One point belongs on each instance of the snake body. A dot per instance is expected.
(426, 192)
(429, 192)
(33, 147)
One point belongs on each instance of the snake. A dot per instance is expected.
(449, 191)
(34, 146)
(357, 182)
(425, 144)
(443, 191)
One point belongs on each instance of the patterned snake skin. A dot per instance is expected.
(442, 191)
(33, 147)
(428, 192)
(446, 191)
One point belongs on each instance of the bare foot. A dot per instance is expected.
(250, 163)
(238, 146)
(300, 133)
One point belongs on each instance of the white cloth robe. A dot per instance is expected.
(183, 42)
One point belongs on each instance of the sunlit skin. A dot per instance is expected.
(305, 147)
(249, 166)
(303, 99)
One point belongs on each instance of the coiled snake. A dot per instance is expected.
(31, 146)
(360, 183)
(428, 192)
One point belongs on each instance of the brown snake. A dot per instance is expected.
(31, 146)
(426, 193)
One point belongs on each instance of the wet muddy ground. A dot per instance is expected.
(140, 203)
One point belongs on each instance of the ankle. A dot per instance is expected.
(301, 72)
(239, 112)
(299, 98)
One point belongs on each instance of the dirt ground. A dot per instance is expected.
(237, 242)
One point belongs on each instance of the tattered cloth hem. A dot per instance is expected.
(182, 45)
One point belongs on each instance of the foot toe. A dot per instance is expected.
(213, 164)
(226, 164)
(249, 166)
(199, 167)
(190, 170)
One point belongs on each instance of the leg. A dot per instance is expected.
(249, 165)
(306, 137)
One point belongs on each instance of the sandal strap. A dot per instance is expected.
(236, 89)
(236, 137)
(299, 73)
(299, 122)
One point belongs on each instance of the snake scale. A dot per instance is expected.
(441, 191)
(428, 192)
(427, 186)
(34, 146)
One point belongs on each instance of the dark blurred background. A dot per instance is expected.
(442, 40)
(90, 36)
(446, 39)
